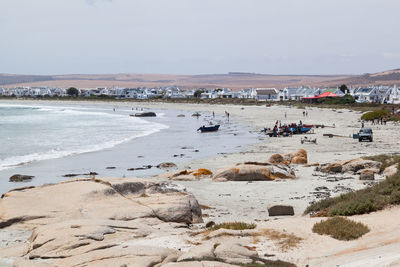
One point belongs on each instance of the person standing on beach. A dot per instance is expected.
(362, 124)
(213, 114)
(285, 114)
(384, 120)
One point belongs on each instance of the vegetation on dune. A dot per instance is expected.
(340, 228)
(363, 201)
(233, 226)
(257, 262)
(344, 100)
(373, 115)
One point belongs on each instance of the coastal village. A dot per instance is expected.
(367, 94)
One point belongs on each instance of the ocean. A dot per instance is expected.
(34, 133)
(51, 139)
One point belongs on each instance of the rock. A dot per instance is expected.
(187, 175)
(181, 115)
(367, 175)
(166, 165)
(70, 175)
(277, 159)
(21, 178)
(299, 160)
(352, 165)
(210, 224)
(330, 168)
(253, 172)
(315, 164)
(111, 168)
(146, 114)
(358, 164)
(390, 171)
(91, 174)
(234, 252)
(199, 252)
(298, 157)
(280, 210)
(372, 170)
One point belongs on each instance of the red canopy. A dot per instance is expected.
(326, 94)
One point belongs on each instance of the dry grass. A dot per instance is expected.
(340, 228)
(233, 226)
(283, 240)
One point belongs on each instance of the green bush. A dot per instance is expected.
(346, 99)
(365, 200)
(234, 226)
(373, 115)
(340, 228)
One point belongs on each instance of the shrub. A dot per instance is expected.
(365, 200)
(373, 115)
(234, 226)
(340, 228)
(346, 99)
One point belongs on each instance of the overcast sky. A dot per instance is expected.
(199, 36)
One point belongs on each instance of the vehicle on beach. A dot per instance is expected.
(365, 134)
(213, 128)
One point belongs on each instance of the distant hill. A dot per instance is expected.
(20, 79)
(234, 80)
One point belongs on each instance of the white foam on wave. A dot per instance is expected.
(139, 127)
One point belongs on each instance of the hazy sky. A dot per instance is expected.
(199, 36)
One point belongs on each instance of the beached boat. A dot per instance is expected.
(300, 130)
(213, 128)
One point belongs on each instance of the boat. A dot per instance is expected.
(299, 130)
(213, 128)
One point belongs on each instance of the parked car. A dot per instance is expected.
(365, 134)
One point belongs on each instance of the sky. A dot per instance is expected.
(199, 36)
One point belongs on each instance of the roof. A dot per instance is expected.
(266, 91)
(326, 94)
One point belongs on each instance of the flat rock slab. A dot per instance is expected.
(280, 210)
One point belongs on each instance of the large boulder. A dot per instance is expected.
(352, 165)
(280, 210)
(367, 175)
(21, 178)
(166, 165)
(98, 222)
(253, 171)
(298, 157)
(146, 114)
(390, 171)
(277, 159)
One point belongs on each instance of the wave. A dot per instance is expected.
(15, 161)
(72, 121)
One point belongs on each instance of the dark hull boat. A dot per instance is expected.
(209, 128)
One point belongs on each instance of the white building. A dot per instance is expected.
(267, 94)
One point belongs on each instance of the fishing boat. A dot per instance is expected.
(213, 128)
(300, 130)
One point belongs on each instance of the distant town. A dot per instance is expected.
(371, 94)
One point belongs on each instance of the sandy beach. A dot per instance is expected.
(248, 200)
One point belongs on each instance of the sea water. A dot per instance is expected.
(34, 133)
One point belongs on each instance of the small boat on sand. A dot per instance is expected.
(213, 128)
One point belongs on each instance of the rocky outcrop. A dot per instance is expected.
(21, 178)
(146, 114)
(390, 171)
(280, 210)
(98, 221)
(254, 171)
(187, 175)
(298, 157)
(166, 165)
(352, 165)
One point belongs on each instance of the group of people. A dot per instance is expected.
(381, 121)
